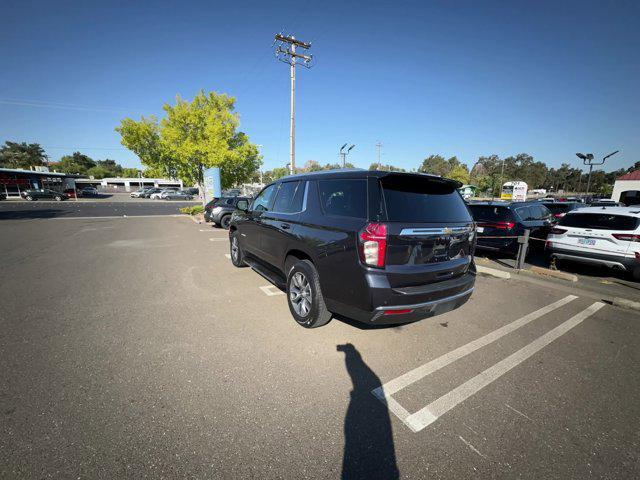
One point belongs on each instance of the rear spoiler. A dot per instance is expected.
(424, 176)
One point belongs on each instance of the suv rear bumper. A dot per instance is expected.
(423, 301)
(612, 261)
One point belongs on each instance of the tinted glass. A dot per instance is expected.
(600, 221)
(416, 199)
(525, 213)
(345, 198)
(539, 212)
(284, 198)
(490, 213)
(298, 198)
(559, 207)
(263, 201)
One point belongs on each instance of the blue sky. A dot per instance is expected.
(422, 77)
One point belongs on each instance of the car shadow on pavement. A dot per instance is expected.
(369, 450)
(33, 214)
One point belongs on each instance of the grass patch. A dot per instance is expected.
(193, 210)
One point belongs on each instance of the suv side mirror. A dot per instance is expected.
(243, 205)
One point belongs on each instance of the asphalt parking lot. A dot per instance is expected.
(131, 348)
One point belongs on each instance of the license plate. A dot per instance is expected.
(586, 241)
(480, 229)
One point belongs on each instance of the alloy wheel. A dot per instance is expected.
(300, 294)
(234, 249)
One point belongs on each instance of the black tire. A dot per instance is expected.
(225, 222)
(237, 256)
(635, 274)
(317, 314)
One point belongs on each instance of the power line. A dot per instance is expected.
(62, 106)
(286, 52)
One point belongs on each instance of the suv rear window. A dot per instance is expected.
(600, 221)
(344, 198)
(490, 213)
(416, 199)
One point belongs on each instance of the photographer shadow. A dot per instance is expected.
(368, 439)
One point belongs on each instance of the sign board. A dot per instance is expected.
(212, 184)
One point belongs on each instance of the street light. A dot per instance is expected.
(587, 159)
(344, 154)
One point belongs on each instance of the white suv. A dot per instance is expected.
(607, 236)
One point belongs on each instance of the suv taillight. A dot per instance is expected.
(627, 237)
(373, 244)
(498, 225)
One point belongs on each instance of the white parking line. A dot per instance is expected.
(271, 290)
(385, 392)
(228, 256)
(219, 239)
(442, 405)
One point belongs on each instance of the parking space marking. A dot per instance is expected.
(416, 374)
(442, 405)
(384, 393)
(219, 239)
(271, 290)
(228, 255)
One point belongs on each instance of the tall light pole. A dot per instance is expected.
(587, 159)
(288, 55)
(379, 149)
(344, 154)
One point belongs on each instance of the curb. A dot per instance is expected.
(625, 303)
(492, 272)
(569, 277)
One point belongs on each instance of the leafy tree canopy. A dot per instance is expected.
(192, 137)
(22, 155)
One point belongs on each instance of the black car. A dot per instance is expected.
(41, 193)
(192, 191)
(378, 247)
(220, 209)
(510, 220)
(560, 209)
(89, 192)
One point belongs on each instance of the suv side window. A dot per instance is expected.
(285, 197)
(540, 212)
(344, 198)
(263, 201)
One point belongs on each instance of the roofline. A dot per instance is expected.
(34, 172)
(362, 172)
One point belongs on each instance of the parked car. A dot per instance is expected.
(510, 220)
(71, 193)
(89, 191)
(150, 191)
(221, 210)
(208, 208)
(140, 192)
(42, 193)
(3, 196)
(608, 236)
(179, 195)
(378, 247)
(232, 192)
(560, 209)
(162, 193)
(604, 203)
(192, 191)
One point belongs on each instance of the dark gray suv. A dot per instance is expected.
(379, 247)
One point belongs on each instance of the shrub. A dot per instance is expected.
(193, 210)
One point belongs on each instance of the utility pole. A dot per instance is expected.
(379, 148)
(344, 154)
(588, 160)
(286, 52)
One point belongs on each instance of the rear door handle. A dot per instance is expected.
(285, 226)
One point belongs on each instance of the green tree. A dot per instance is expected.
(192, 137)
(76, 163)
(22, 155)
(130, 172)
(435, 165)
(388, 168)
(459, 172)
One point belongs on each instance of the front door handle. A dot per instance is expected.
(285, 226)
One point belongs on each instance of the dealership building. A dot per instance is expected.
(13, 181)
